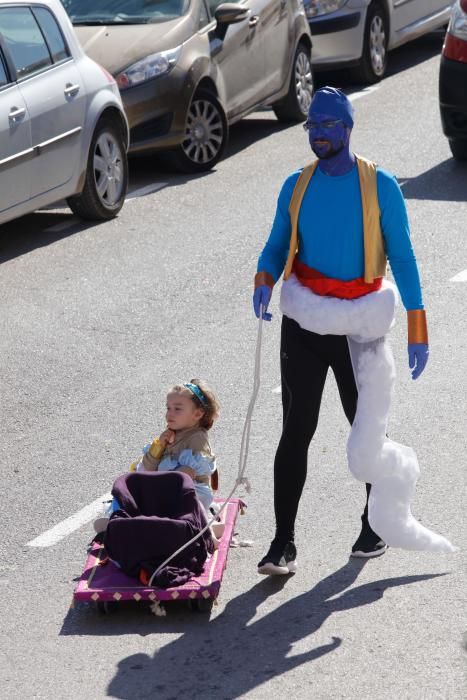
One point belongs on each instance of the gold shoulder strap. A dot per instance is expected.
(294, 210)
(375, 257)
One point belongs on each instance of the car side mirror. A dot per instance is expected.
(229, 13)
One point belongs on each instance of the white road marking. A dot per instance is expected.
(148, 189)
(277, 390)
(461, 277)
(66, 527)
(361, 93)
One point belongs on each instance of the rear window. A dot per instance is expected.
(124, 11)
(52, 33)
(3, 74)
(24, 40)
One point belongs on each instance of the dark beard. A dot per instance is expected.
(329, 154)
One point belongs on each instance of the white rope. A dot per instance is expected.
(244, 447)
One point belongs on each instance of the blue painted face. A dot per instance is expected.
(327, 135)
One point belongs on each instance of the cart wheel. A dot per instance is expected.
(106, 607)
(202, 605)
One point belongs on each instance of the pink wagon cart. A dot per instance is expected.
(105, 585)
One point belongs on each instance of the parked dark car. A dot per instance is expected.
(453, 81)
(187, 69)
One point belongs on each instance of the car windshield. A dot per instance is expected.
(124, 11)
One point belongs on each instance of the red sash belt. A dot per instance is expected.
(326, 286)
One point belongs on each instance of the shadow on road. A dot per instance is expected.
(401, 59)
(444, 182)
(152, 169)
(232, 654)
(415, 52)
(257, 126)
(52, 224)
(37, 230)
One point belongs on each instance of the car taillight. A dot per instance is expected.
(108, 75)
(455, 45)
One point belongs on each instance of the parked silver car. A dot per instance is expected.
(359, 33)
(63, 131)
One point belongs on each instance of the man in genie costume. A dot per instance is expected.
(338, 222)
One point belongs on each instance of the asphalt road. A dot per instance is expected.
(96, 322)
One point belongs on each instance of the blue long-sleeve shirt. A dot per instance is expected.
(330, 229)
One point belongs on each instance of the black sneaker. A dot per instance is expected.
(368, 544)
(280, 559)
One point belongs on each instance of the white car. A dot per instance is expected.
(359, 33)
(63, 131)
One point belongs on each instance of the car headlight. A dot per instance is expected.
(315, 8)
(152, 66)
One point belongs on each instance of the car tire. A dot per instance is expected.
(295, 105)
(374, 59)
(106, 180)
(458, 148)
(206, 135)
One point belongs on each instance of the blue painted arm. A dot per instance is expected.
(275, 252)
(396, 233)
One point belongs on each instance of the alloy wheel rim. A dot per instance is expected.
(204, 132)
(108, 169)
(303, 82)
(377, 45)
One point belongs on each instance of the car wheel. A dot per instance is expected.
(374, 60)
(294, 107)
(458, 148)
(106, 179)
(205, 136)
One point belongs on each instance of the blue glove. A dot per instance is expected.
(418, 357)
(261, 298)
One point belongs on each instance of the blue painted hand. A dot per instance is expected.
(418, 357)
(261, 298)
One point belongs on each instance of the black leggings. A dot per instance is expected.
(305, 360)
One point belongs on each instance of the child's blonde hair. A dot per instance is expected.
(203, 397)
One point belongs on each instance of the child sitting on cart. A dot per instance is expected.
(184, 446)
(164, 502)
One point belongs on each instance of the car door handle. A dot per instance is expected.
(71, 90)
(16, 113)
(253, 21)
